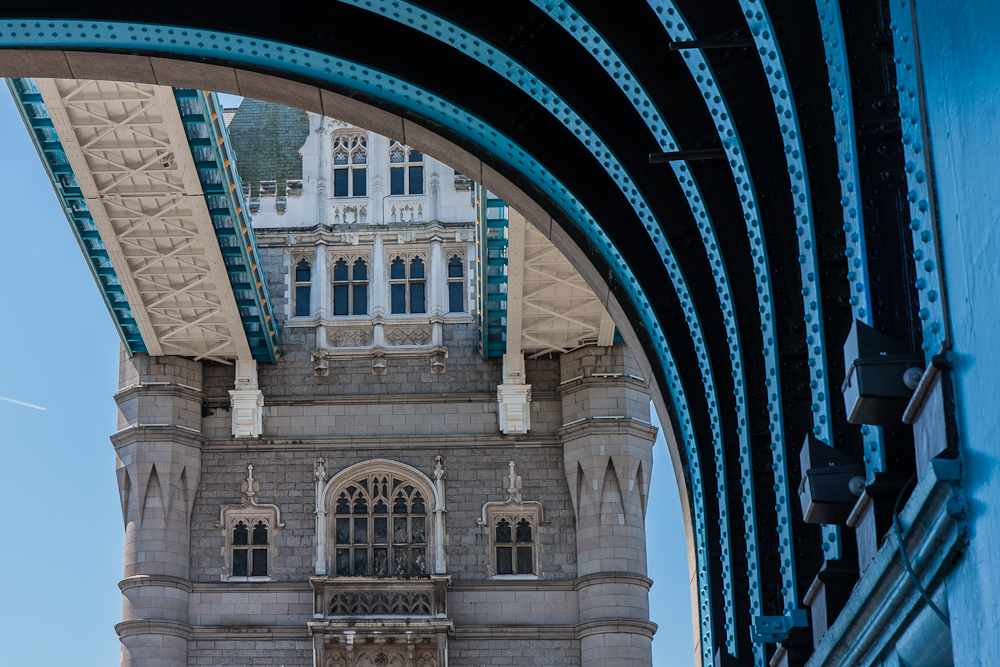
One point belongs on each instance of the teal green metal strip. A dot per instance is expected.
(216, 163)
(493, 224)
(74, 206)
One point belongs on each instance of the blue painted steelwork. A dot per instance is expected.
(492, 238)
(587, 35)
(308, 64)
(930, 288)
(676, 27)
(842, 106)
(791, 135)
(209, 142)
(53, 156)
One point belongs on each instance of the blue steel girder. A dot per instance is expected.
(926, 250)
(53, 156)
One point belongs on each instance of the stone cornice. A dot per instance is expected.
(612, 578)
(616, 625)
(380, 399)
(155, 580)
(425, 441)
(602, 382)
(153, 627)
(515, 632)
(170, 389)
(157, 433)
(506, 585)
(610, 424)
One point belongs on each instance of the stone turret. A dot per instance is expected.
(607, 453)
(158, 447)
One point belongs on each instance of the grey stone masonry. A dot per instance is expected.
(607, 458)
(158, 449)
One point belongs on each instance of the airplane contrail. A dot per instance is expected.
(27, 405)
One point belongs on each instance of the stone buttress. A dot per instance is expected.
(607, 452)
(158, 464)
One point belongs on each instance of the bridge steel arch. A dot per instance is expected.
(739, 275)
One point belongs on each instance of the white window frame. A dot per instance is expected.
(350, 259)
(296, 283)
(407, 257)
(405, 165)
(352, 142)
(513, 511)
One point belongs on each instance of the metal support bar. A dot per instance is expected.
(695, 154)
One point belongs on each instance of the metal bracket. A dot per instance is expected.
(774, 629)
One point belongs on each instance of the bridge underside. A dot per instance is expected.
(786, 200)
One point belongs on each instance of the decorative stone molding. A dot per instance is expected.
(512, 510)
(247, 402)
(514, 397)
(350, 337)
(249, 512)
(327, 488)
(417, 336)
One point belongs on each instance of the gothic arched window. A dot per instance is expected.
(350, 287)
(406, 170)
(350, 165)
(249, 546)
(407, 285)
(514, 545)
(303, 288)
(456, 284)
(380, 527)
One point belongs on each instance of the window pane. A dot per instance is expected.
(340, 300)
(504, 564)
(397, 184)
(343, 562)
(416, 180)
(418, 562)
(417, 298)
(359, 157)
(524, 562)
(340, 156)
(260, 533)
(381, 563)
(397, 270)
(399, 535)
(419, 527)
(360, 269)
(302, 295)
(396, 154)
(361, 562)
(399, 562)
(259, 563)
(340, 271)
(456, 297)
(240, 562)
(399, 298)
(302, 271)
(503, 532)
(361, 531)
(416, 268)
(241, 535)
(343, 531)
(418, 504)
(360, 300)
(523, 531)
(339, 182)
(381, 525)
(455, 267)
(360, 182)
(416, 156)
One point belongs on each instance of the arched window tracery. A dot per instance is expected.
(407, 285)
(350, 286)
(406, 170)
(380, 527)
(350, 165)
(303, 288)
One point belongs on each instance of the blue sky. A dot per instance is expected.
(62, 545)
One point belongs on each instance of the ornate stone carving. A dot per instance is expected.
(380, 603)
(350, 337)
(382, 658)
(407, 336)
